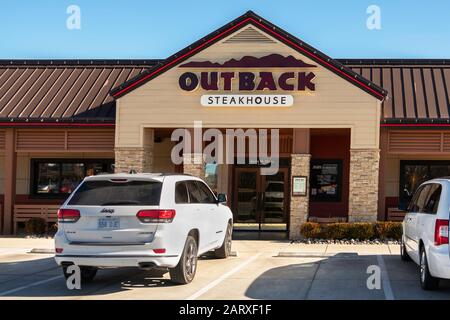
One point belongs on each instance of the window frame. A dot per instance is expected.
(404, 163)
(207, 190)
(187, 192)
(430, 193)
(339, 179)
(34, 162)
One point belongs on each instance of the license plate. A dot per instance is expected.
(109, 223)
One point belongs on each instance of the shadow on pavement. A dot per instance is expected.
(342, 276)
(19, 274)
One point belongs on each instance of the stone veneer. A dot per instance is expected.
(193, 164)
(139, 159)
(363, 193)
(300, 166)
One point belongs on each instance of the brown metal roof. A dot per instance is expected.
(63, 90)
(78, 90)
(418, 90)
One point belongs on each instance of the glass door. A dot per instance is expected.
(260, 202)
(246, 192)
(274, 201)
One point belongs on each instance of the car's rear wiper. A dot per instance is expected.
(112, 203)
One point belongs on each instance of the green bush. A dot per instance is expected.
(337, 231)
(53, 227)
(35, 226)
(388, 230)
(310, 230)
(361, 231)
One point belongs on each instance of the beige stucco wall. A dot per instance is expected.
(335, 103)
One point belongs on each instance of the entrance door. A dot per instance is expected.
(260, 202)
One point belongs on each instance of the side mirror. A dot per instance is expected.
(221, 198)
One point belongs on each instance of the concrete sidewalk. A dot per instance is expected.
(23, 245)
(19, 245)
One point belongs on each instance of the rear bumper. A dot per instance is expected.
(439, 261)
(114, 254)
(116, 260)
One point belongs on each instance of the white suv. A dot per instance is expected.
(142, 220)
(425, 232)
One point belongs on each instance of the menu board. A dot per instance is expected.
(326, 179)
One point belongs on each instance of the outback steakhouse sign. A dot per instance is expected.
(225, 81)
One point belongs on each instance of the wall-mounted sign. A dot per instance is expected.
(299, 185)
(247, 76)
(247, 100)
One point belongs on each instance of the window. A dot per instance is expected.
(181, 194)
(326, 180)
(194, 192)
(206, 195)
(432, 202)
(104, 192)
(420, 199)
(56, 178)
(199, 192)
(414, 173)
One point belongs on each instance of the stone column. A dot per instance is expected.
(363, 198)
(139, 158)
(193, 164)
(300, 166)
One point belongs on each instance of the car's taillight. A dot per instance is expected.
(68, 215)
(441, 232)
(156, 216)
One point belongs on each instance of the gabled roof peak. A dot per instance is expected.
(252, 18)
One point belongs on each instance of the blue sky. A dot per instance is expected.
(33, 29)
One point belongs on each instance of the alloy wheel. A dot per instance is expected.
(191, 261)
(228, 239)
(422, 266)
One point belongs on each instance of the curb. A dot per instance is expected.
(42, 250)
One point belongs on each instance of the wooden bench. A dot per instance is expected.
(327, 220)
(395, 214)
(24, 212)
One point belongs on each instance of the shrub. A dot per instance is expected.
(310, 230)
(388, 230)
(53, 227)
(35, 226)
(337, 231)
(361, 231)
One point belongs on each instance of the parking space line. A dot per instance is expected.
(5, 293)
(222, 278)
(386, 284)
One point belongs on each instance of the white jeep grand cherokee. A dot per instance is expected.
(142, 220)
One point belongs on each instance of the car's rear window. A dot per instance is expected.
(129, 193)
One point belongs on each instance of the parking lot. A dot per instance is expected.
(260, 270)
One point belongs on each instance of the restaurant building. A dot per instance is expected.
(356, 137)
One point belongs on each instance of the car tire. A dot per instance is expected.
(403, 253)
(225, 250)
(185, 270)
(87, 273)
(427, 281)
